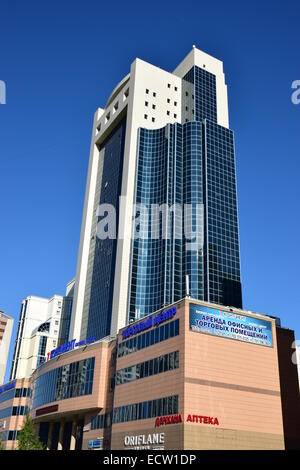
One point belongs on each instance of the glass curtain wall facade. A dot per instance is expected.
(187, 164)
(96, 318)
(65, 320)
(68, 381)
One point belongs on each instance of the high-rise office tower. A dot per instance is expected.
(6, 325)
(162, 139)
(66, 313)
(38, 333)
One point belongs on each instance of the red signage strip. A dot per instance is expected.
(175, 419)
(202, 419)
(46, 409)
(172, 419)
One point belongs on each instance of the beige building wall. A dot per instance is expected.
(231, 380)
(82, 404)
(13, 423)
(236, 381)
(82, 407)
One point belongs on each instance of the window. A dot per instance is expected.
(144, 410)
(147, 91)
(101, 421)
(176, 323)
(126, 94)
(154, 336)
(148, 368)
(154, 94)
(168, 113)
(155, 366)
(116, 106)
(175, 116)
(175, 88)
(146, 103)
(145, 116)
(153, 106)
(175, 103)
(172, 329)
(168, 100)
(19, 410)
(68, 381)
(107, 118)
(153, 119)
(169, 85)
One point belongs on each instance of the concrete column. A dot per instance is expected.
(61, 435)
(73, 434)
(50, 434)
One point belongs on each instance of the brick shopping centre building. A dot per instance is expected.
(191, 376)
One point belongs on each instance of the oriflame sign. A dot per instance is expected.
(144, 441)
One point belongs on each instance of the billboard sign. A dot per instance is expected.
(217, 322)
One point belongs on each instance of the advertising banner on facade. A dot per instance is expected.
(230, 325)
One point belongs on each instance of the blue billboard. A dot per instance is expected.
(94, 444)
(217, 322)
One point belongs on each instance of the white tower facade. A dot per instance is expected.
(38, 333)
(148, 97)
(6, 326)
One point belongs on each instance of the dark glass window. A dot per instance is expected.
(149, 338)
(146, 410)
(148, 368)
(97, 309)
(68, 381)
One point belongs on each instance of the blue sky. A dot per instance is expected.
(60, 61)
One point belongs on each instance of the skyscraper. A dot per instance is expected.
(163, 139)
(66, 313)
(38, 333)
(6, 325)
